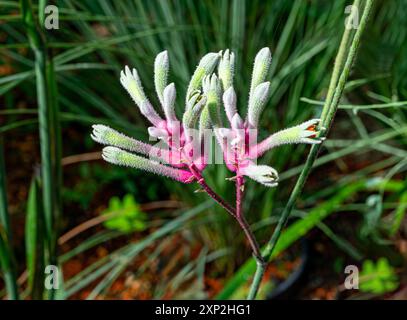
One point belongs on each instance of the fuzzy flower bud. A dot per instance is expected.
(131, 82)
(161, 69)
(260, 69)
(157, 132)
(120, 157)
(304, 133)
(265, 175)
(107, 136)
(205, 67)
(192, 113)
(212, 91)
(257, 103)
(168, 102)
(226, 69)
(229, 102)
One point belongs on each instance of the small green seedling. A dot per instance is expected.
(379, 277)
(125, 215)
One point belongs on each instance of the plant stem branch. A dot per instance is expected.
(261, 263)
(201, 181)
(330, 111)
(243, 223)
(258, 276)
(236, 213)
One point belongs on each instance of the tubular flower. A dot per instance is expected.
(178, 153)
(239, 142)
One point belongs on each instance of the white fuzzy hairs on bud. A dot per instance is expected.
(168, 103)
(132, 83)
(161, 70)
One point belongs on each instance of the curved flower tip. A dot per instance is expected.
(306, 132)
(257, 102)
(205, 67)
(261, 68)
(120, 157)
(229, 102)
(161, 70)
(157, 132)
(263, 174)
(226, 69)
(130, 80)
(168, 102)
(101, 133)
(107, 136)
(309, 131)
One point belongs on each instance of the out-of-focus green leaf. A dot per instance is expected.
(34, 241)
(378, 277)
(125, 215)
(399, 213)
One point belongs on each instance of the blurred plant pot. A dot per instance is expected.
(286, 287)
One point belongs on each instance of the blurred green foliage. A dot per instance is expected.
(124, 215)
(378, 278)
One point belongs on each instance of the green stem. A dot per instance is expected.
(330, 111)
(339, 61)
(258, 276)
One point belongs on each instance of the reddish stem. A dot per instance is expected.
(242, 220)
(210, 192)
(236, 213)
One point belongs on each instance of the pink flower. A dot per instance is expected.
(177, 155)
(239, 142)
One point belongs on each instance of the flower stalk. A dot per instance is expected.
(329, 110)
(243, 223)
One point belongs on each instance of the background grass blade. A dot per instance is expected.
(34, 240)
(6, 253)
(49, 127)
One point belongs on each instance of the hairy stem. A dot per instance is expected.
(201, 181)
(242, 220)
(236, 213)
(261, 263)
(329, 111)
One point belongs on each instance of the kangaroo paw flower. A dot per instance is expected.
(161, 69)
(261, 68)
(265, 175)
(226, 69)
(132, 83)
(120, 157)
(229, 101)
(306, 132)
(107, 136)
(257, 103)
(168, 102)
(205, 67)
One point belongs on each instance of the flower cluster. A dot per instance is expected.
(239, 142)
(181, 154)
(176, 158)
